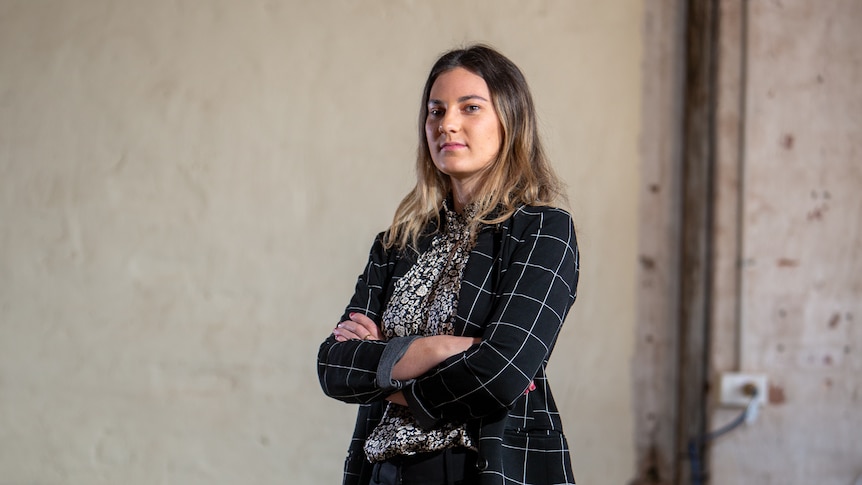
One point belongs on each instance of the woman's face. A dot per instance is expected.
(462, 127)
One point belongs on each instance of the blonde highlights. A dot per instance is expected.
(520, 174)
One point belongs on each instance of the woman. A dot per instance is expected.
(446, 339)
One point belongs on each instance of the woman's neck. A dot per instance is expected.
(462, 196)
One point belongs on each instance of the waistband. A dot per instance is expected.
(451, 466)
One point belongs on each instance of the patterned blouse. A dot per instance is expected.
(424, 303)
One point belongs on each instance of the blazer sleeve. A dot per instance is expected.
(537, 288)
(347, 371)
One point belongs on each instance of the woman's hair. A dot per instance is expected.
(520, 174)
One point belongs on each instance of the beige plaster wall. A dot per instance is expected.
(189, 189)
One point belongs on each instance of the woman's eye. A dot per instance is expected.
(472, 108)
(435, 112)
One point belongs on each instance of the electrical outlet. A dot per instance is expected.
(737, 387)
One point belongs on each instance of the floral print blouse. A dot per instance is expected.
(424, 303)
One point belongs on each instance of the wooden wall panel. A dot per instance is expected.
(800, 285)
(654, 369)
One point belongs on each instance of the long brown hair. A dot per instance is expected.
(520, 174)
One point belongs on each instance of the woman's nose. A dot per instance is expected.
(449, 123)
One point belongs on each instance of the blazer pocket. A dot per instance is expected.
(541, 456)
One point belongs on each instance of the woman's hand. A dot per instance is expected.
(397, 398)
(358, 327)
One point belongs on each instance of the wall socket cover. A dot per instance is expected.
(732, 384)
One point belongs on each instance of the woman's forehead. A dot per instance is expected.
(458, 83)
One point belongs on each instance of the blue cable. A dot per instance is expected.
(697, 473)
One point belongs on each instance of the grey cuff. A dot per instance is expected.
(395, 349)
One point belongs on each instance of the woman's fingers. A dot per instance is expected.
(358, 327)
(367, 325)
(397, 398)
(345, 331)
(363, 327)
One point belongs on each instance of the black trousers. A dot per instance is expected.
(453, 466)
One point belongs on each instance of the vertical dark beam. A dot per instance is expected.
(698, 168)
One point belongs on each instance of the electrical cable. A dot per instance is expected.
(697, 473)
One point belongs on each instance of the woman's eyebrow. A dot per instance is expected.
(460, 100)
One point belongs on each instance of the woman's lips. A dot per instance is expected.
(450, 146)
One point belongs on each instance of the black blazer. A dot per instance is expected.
(518, 286)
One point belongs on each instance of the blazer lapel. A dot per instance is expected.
(481, 274)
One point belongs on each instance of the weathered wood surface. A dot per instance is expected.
(800, 286)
